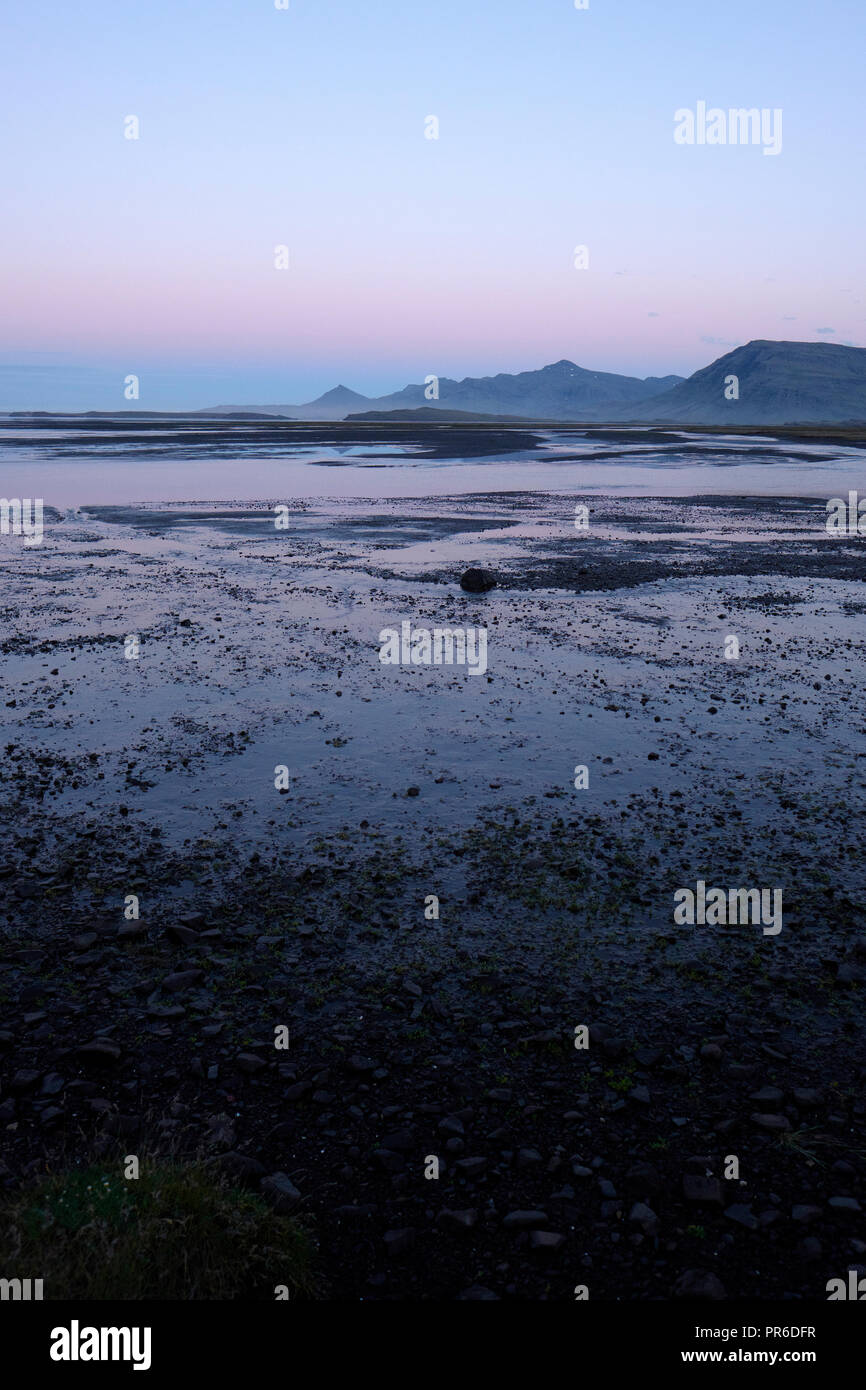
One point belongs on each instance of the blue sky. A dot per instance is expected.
(305, 128)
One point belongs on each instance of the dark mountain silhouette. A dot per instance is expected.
(778, 383)
(560, 391)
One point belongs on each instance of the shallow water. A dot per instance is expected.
(175, 463)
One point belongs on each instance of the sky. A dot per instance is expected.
(306, 128)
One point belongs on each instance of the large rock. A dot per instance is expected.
(476, 581)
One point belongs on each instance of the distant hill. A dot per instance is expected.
(560, 391)
(426, 414)
(778, 383)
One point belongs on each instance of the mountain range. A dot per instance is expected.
(761, 383)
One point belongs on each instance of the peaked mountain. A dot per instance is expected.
(777, 383)
(338, 398)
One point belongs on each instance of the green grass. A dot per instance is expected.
(175, 1233)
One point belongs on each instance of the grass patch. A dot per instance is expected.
(175, 1233)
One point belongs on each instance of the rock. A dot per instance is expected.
(280, 1192)
(99, 1052)
(131, 931)
(699, 1283)
(702, 1190)
(803, 1212)
(768, 1095)
(458, 1220)
(850, 974)
(185, 936)
(806, 1097)
(643, 1177)
(523, 1220)
(644, 1216)
(640, 1094)
(451, 1125)
(477, 581)
(248, 1062)
(23, 1080)
(478, 1294)
(240, 1168)
(399, 1242)
(711, 1052)
(399, 1141)
(742, 1215)
(391, 1162)
(220, 1131)
(844, 1204)
(361, 1064)
(546, 1240)
(772, 1122)
(471, 1167)
(182, 979)
(528, 1158)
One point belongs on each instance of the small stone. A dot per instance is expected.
(280, 1192)
(523, 1220)
(546, 1240)
(100, 1051)
(399, 1242)
(471, 1167)
(250, 1063)
(699, 1283)
(702, 1190)
(182, 979)
(458, 1220)
(844, 1204)
(451, 1125)
(391, 1162)
(23, 1080)
(644, 1216)
(742, 1215)
(772, 1122)
(768, 1095)
(240, 1167)
(528, 1158)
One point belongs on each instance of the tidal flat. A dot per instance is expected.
(146, 783)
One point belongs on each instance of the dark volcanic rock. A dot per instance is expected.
(476, 581)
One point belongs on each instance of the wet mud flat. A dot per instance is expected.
(414, 1036)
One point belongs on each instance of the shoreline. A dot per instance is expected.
(454, 1036)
